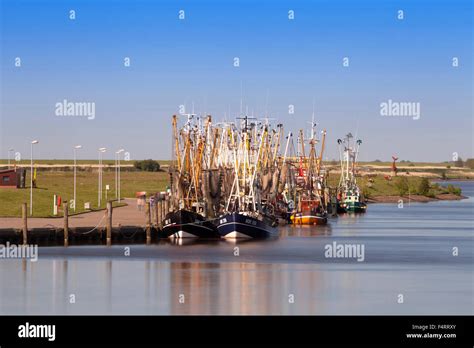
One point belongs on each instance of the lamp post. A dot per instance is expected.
(101, 151)
(10, 150)
(75, 149)
(117, 184)
(116, 175)
(34, 142)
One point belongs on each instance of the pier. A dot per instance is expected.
(125, 224)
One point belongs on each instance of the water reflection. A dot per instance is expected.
(306, 230)
(156, 287)
(407, 250)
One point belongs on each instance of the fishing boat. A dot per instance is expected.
(350, 198)
(246, 215)
(243, 225)
(311, 206)
(353, 202)
(187, 224)
(192, 206)
(311, 213)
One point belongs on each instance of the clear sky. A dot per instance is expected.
(282, 62)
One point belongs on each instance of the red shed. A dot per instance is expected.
(8, 178)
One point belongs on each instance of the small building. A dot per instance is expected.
(13, 178)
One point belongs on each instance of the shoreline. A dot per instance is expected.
(416, 198)
(451, 179)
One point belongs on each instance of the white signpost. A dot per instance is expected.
(55, 205)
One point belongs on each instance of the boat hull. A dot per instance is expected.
(187, 224)
(355, 207)
(237, 225)
(300, 219)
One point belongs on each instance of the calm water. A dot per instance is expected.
(407, 251)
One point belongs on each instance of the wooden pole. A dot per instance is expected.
(163, 213)
(159, 212)
(167, 205)
(66, 223)
(109, 223)
(25, 222)
(148, 222)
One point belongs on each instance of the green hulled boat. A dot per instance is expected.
(353, 203)
(349, 197)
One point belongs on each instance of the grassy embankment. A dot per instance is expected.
(376, 187)
(61, 183)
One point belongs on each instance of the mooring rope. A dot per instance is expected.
(100, 221)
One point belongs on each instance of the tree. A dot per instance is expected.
(424, 187)
(459, 162)
(469, 163)
(402, 185)
(148, 165)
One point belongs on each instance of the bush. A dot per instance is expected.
(424, 187)
(459, 162)
(470, 163)
(148, 165)
(454, 190)
(402, 185)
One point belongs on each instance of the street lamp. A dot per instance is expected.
(117, 182)
(10, 150)
(101, 151)
(75, 148)
(34, 142)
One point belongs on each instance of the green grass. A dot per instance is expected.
(61, 183)
(383, 187)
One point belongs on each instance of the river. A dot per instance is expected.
(416, 260)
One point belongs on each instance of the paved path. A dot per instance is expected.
(127, 215)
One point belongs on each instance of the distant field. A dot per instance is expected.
(4, 162)
(167, 162)
(61, 183)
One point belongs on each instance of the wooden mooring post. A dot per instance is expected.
(167, 204)
(25, 222)
(109, 223)
(158, 212)
(66, 223)
(148, 222)
(163, 213)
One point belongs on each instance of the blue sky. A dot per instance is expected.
(282, 62)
